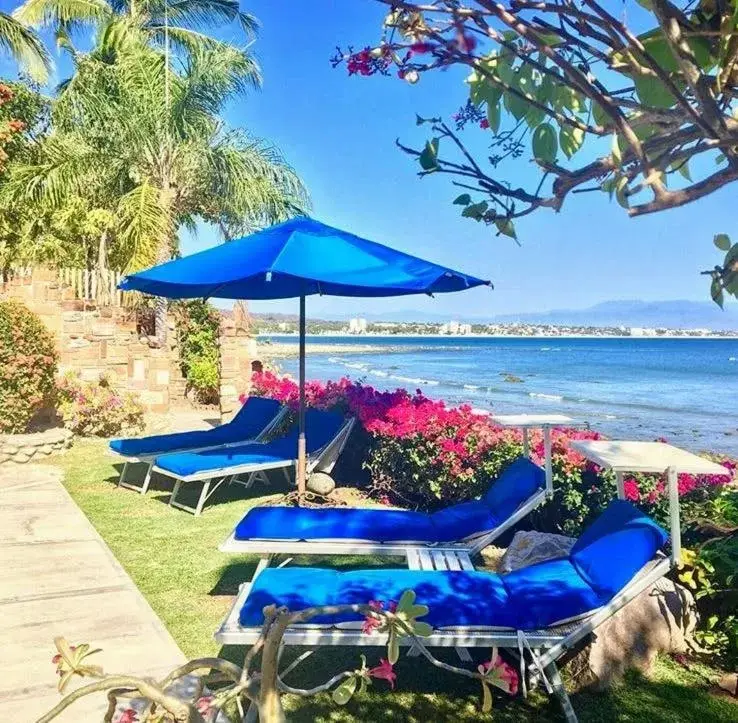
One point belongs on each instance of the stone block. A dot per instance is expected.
(161, 377)
(138, 370)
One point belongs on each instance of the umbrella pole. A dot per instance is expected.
(301, 456)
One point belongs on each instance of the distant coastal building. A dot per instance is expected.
(357, 326)
(454, 328)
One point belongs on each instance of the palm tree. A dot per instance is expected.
(25, 47)
(158, 163)
(183, 23)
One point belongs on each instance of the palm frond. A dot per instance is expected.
(145, 224)
(204, 14)
(25, 47)
(39, 13)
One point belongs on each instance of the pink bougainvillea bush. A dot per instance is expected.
(97, 408)
(417, 452)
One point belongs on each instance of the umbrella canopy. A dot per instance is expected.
(298, 258)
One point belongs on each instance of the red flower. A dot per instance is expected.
(484, 123)
(420, 48)
(129, 715)
(384, 671)
(204, 704)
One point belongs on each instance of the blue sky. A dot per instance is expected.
(339, 133)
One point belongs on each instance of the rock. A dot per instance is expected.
(529, 547)
(661, 619)
(21, 457)
(320, 483)
(729, 683)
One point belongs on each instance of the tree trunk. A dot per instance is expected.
(164, 254)
(102, 252)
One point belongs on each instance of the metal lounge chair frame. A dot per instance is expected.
(148, 459)
(542, 648)
(323, 460)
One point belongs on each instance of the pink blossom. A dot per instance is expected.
(384, 671)
(501, 674)
(129, 715)
(631, 490)
(204, 704)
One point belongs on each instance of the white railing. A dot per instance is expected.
(95, 285)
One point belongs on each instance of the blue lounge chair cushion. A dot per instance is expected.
(280, 451)
(548, 592)
(252, 418)
(463, 520)
(615, 546)
(454, 598)
(517, 482)
(520, 480)
(321, 427)
(301, 523)
(296, 587)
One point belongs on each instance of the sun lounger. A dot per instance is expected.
(453, 533)
(539, 611)
(326, 435)
(255, 420)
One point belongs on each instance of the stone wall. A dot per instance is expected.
(94, 339)
(237, 349)
(22, 448)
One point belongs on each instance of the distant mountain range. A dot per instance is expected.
(669, 314)
(680, 314)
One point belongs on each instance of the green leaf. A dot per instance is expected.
(716, 291)
(570, 140)
(645, 4)
(651, 91)
(422, 629)
(429, 157)
(463, 200)
(506, 227)
(493, 115)
(601, 118)
(534, 117)
(475, 210)
(517, 106)
(486, 698)
(683, 170)
(550, 38)
(343, 693)
(722, 241)
(617, 156)
(544, 143)
(621, 192)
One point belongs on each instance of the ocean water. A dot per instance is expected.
(685, 390)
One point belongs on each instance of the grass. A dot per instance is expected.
(173, 559)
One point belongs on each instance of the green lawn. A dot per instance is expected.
(173, 559)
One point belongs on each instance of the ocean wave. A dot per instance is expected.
(408, 380)
(471, 386)
(378, 373)
(732, 358)
(550, 397)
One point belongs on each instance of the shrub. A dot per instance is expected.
(197, 334)
(96, 408)
(27, 366)
(419, 453)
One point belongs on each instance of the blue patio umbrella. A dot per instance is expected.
(298, 258)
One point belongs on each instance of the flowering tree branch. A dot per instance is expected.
(557, 77)
(259, 691)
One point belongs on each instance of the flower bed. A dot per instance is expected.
(417, 452)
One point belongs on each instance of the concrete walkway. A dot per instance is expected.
(58, 577)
